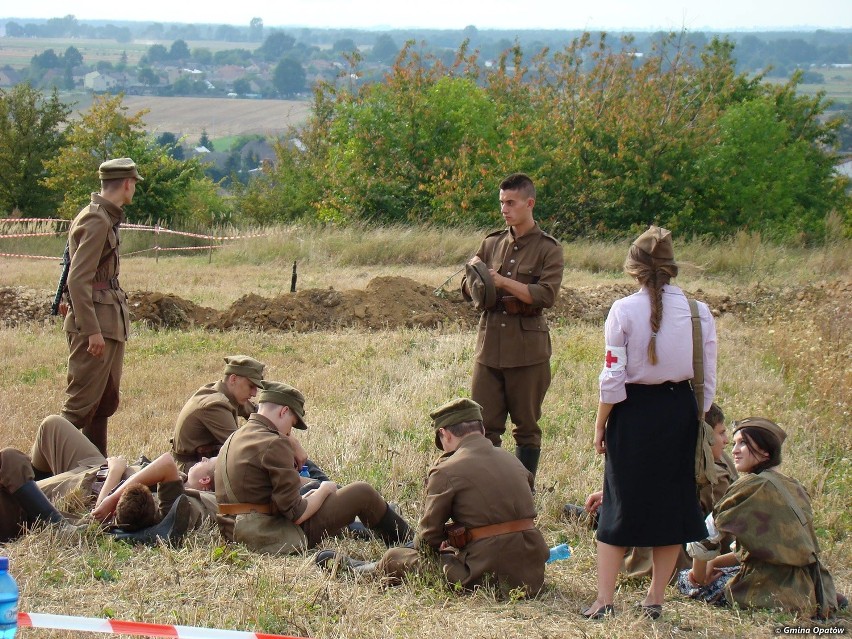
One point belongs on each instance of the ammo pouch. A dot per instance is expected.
(457, 535)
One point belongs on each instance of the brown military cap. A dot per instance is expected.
(763, 424)
(656, 242)
(284, 395)
(452, 413)
(117, 169)
(245, 366)
(483, 293)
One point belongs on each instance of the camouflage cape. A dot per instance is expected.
(776, 545)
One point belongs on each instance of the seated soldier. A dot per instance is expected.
(257, 486)
(637, 561)
(487, 493)
(212, 413)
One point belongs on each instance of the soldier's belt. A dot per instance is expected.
(513, 306)
(111, 283)
(242, 509)
(483, 532)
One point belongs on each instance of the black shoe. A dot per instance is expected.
(327, 559)
(36, 506)
(393, 529)
(650, 611)
(573, 512)
(599, 613)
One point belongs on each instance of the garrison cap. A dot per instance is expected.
(284, 395)
(117, 169)
(483, 293)
(452, 413)
(763, 424)
(245, 366)
(656, 242)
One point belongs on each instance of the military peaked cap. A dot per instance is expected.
(763, 424)
(452, 413)
(284, 395)
(245, 366)
(118, 168)
(483, 293)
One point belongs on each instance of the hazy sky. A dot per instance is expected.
(456, 14)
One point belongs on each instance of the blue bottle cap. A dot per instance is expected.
(4, 563)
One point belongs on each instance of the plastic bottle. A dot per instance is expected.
(8, 601)
(562, 551)
(304, 472)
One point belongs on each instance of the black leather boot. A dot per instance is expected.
(36, 506)
(327, 559)
(392, 529)
(96, 432)
(529, 457)
(171, 529)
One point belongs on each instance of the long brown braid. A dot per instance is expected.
(652, 274)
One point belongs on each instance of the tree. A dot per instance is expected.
(156, 53)
(202, 55)
(179, 51)
(148, 76)
(276, 45)
(30, 132)
(72, 57)
(205, 141)
(346, 45)
(384, 49)
(256, 30)
(171, 144)
(171, 188)
(289, 77)
(14, 30)
(242, 86)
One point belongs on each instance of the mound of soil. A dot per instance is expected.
(392, 302)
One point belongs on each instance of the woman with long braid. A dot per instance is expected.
(647, 423)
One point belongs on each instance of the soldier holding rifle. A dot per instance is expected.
(97, 320)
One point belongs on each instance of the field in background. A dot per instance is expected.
(369, 393)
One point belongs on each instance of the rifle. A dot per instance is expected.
(63, 281)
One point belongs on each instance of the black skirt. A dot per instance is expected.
(649, 495)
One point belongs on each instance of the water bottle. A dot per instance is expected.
(562, 551)
(8, 601)
(304, 472)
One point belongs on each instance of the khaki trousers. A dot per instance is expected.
(92, 392)
(60, 447)
(511, 392)
(358, 499)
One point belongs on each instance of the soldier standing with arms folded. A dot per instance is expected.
(515, 274)
(97, 322)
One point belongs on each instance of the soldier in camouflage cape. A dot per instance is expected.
(770, 516)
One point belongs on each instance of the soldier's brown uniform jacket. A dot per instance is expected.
(207, 419)
(93, 248)
(535, 259)
(479, 485)
(778, 551)
(261, 467)
(638, 560)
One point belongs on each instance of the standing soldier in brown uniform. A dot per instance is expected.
(257, 482)
(97, 322)
(515, 274)
(488, 492)
(210, 415)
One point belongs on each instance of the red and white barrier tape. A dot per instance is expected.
(33, 257)
(114, 626)
(45, 234)
(32, 220)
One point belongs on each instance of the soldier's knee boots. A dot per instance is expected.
(392, 529)
(96, 432)
(36, 506)
(171, 529)
(529, 457)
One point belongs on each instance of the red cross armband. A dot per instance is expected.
(615, 358)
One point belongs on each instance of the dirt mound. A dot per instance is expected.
(387, 302)
(392, 302)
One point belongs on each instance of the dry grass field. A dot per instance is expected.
(220, 117)
(369, 392)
